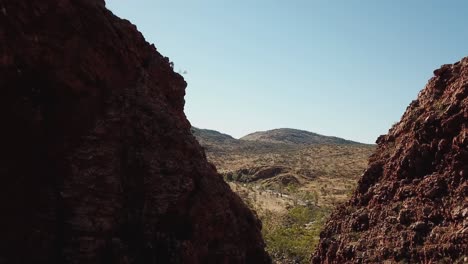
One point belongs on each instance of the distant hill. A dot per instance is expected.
(211, 136)
(301, 154)
(295, 136)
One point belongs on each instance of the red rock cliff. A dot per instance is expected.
(411, 205)
(97, 162)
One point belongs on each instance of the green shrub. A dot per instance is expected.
(295, 235)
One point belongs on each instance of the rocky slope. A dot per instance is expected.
(411, 204)
(294, 136)
(97, 162)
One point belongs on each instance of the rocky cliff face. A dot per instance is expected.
(411, 204)
(97, 162)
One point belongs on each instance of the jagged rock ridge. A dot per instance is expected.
(97, 163)
(411, 204)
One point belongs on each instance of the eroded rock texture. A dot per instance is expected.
(97, 162)
(411, 205)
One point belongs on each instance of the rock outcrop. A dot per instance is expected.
(97, 162)
(411, 204)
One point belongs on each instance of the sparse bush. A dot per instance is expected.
(228, 177)
(291, 188)
(310, 198)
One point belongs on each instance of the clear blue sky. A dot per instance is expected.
(341, 68)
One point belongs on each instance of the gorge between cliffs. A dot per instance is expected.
(99, 163)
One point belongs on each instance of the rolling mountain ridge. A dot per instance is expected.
(273, 136)
(295, 136)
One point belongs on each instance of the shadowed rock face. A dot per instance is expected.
(97, 162)
(411, 204)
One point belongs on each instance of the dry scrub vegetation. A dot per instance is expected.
(291, 187)
(329, 172)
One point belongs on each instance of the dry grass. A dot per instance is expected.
(329, 170)
(291, 187)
